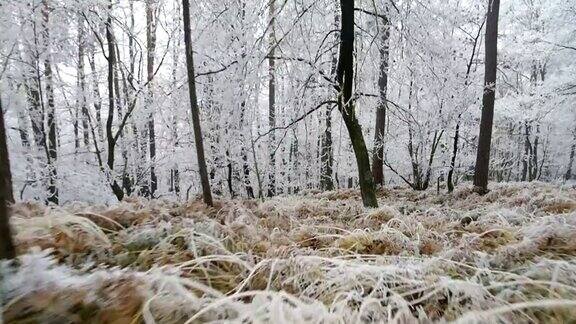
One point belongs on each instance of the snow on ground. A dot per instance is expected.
(509, 256)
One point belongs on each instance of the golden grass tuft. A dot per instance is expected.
(317, 258)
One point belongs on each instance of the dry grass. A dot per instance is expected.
(507, 256)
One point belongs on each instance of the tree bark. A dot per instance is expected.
(326, 151)
(485, 138)
(527, 150)
(51, 112)
(271, 102)
(450, 181)
(568, 174)
(118, 192)
(380, 127)
(82, 81)
(174, 170)
(206, 193)
(96, 91)
(345, 76)
(326, 154)
(7, 250)
(151, 47)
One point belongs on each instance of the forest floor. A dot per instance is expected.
(508, 256)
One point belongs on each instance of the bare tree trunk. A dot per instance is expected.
(568, 174)
(35, 111)
(326, 151)
(485, 138)
(450, 182)
(151, 47)
(51, 113)
(449, 179)
(96, 91)
(82, 81)
(526, 157)
(207, 195)
(7, 249)
(326, 154)
(272, 102)
(380, 127)
(118, 192)
(345, 76)
(174, 171)
(534, 169)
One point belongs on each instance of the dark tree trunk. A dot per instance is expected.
(118, 192)
(151, 46)
(345, 76)
(485, 138)
(568, 174)
(534, 163)
(380, 127)
(271, 102)
(527, 149)
(7, 250)
(326, 154)
(206, 193)
(450, 181)
(244, 154)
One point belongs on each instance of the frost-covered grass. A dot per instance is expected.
(509, 256)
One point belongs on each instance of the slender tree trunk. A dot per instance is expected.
(206, 193)
(82, 82)
(174, 171)
(326, 154)
(272, 101)
(568, 174)
(526, 156)
(7, 250)
(326, 151)
(380, 127)
(51, 112)
(151, 47)
(450, 181)
(485, 138)
(534, 169)
(118, 192)
(244, 154)
(96, 91)
(345, 76)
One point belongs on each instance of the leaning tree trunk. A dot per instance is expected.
(7, 250)
(449, 178)
(491, 45)
(345, 76)
(51, 113)
(449, 181)
(206, 193)
(378, 153)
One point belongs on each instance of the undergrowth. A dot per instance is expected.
(508, 256)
